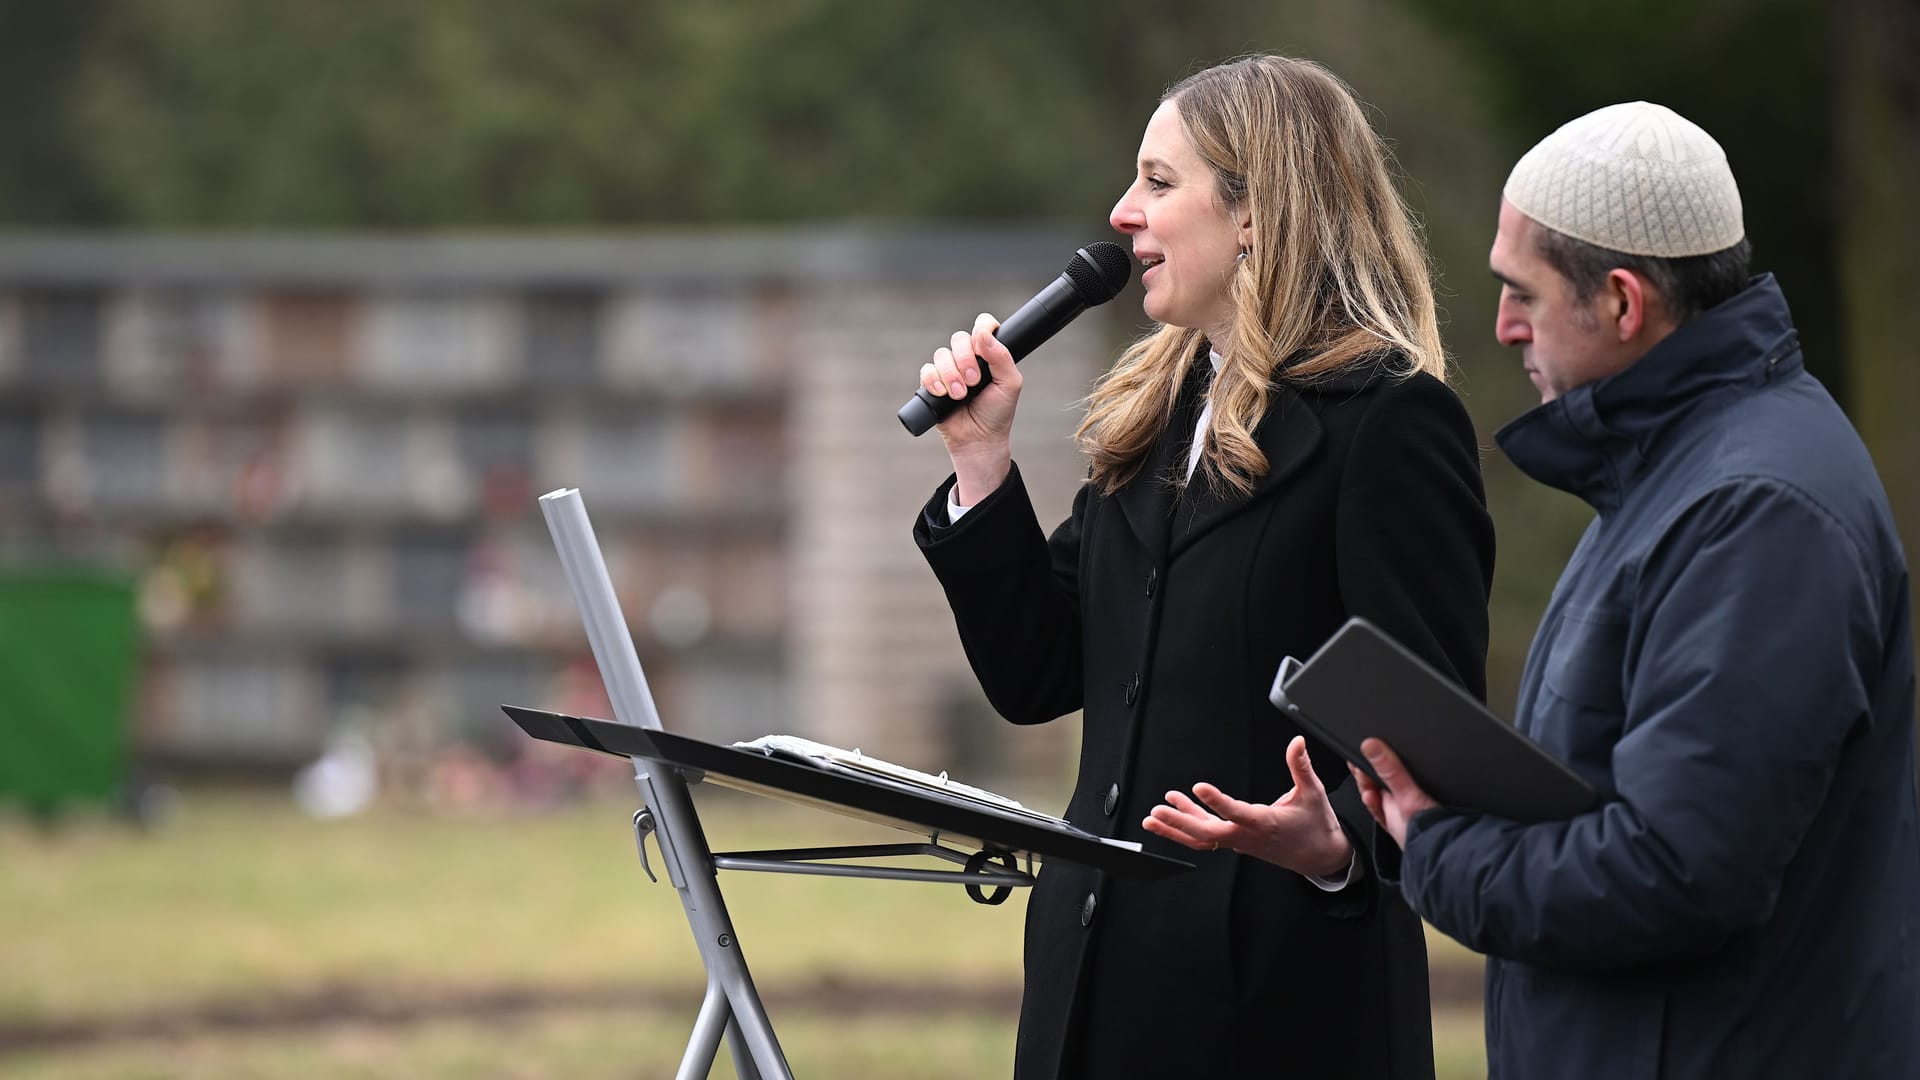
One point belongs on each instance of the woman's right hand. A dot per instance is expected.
(978, 436)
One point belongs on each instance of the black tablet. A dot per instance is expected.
(1363, 684)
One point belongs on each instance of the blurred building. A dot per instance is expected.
(322, 454)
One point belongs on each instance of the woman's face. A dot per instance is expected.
(1187, 241)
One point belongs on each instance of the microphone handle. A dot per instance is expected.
(1021, 332)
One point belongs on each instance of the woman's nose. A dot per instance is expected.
(1126, 217)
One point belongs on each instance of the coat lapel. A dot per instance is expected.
(1167, 521)
(1148, 502)
(1290, 435)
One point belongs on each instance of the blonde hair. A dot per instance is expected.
(1336, 275)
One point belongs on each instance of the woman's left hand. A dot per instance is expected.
(1298, 831)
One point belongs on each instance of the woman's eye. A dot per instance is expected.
(1154, 183)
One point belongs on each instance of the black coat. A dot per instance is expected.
(1163, 616)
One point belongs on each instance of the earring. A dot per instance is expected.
(1242, 258)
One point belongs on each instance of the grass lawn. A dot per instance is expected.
(242, 939)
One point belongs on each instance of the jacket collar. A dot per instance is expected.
(1596, 440)
(1148, 499)
(1288, 435)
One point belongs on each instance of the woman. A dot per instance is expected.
(1278, 455)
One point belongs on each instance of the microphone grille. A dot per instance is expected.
(1099, 271)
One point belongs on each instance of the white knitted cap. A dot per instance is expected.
(1636, 177)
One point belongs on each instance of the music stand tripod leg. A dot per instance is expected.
(743, 1064)
(714, 1019)
(677, 824)
(756, 1052)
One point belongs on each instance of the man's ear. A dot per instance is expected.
(1626, 311)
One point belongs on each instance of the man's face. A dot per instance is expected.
(1563, 342)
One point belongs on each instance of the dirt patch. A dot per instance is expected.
(388, 1006)
(398, 1006)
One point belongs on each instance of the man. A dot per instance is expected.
(1728, 657)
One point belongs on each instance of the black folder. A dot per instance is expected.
(851, 793)
(1363, 684)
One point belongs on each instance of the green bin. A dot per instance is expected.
(68, 649)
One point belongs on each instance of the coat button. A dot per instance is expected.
(1112, 801)
(1086, 911)
(1133, 689)
(1153, 581)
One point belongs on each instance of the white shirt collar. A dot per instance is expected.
(1206, 417)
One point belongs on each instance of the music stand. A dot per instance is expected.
(665, 763)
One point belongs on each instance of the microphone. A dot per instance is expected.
(1094, 275)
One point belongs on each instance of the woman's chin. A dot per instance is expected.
(1161, 313)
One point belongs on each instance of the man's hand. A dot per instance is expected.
(1396, 804)
(1298, 831)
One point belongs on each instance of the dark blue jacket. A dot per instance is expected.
(1729, 658)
